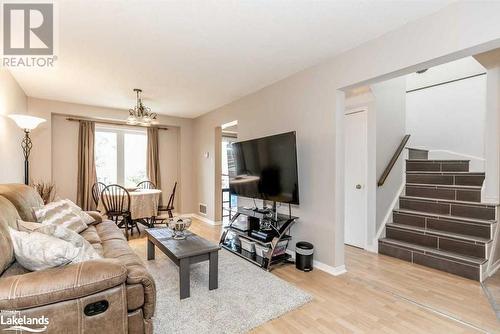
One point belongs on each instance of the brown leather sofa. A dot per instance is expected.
(72, 297)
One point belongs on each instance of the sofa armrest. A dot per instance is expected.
(96, 215)
(138, 274)
(60, 284)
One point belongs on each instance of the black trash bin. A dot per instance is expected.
(304, 256)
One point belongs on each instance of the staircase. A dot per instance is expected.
(441, 222)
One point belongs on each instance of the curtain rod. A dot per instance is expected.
(102, 121)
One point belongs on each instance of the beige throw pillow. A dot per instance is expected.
(60, 213)
(50, 246)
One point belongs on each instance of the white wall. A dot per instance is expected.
(491, 189)
(309, 103)
(56, 153)
(12, 101)
(390, 105)
(449, 119)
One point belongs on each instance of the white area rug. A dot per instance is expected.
(246, 298)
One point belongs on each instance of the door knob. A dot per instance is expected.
(358, 186)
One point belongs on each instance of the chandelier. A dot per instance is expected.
(141, 114)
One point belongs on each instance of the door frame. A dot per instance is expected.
(350, 111)
(218, 130)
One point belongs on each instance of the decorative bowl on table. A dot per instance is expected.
(131, 189)
(178, 226)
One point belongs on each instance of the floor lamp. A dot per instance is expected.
(27, 123)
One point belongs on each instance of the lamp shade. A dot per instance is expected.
(26, 122)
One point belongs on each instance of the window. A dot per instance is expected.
(120, 155)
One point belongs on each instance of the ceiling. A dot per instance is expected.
(191, 57)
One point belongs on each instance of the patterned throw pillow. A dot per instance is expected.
(86, 218)
(85, 250)
(60, 213)
(50, 246)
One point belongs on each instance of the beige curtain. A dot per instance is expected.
(153, 159)
(86, 165)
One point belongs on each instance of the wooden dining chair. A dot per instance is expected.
(97, 189)
(169, 208)
(148, 185)
(116, 201)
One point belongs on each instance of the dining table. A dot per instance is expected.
(143, 204)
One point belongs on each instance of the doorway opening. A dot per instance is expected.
(225, 165)
(431, 137)
(228, 168)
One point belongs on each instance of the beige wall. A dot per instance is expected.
(56, 148)
(64, 163)
(309, 103)
(12, 101)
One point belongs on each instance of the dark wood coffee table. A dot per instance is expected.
(183, 253)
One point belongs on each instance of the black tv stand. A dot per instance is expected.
(263, 210)
(281, 224)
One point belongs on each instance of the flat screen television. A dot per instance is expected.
(266, 168)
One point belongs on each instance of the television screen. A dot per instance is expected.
(266, 168)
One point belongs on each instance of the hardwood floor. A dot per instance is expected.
(492, 285)
(378, 294)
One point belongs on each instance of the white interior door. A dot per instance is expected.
(355, 178)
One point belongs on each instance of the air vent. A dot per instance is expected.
(203, 209)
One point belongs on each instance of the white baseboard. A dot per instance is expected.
(335, 271)
(373, 248)
(494, 269)
(204, 219)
